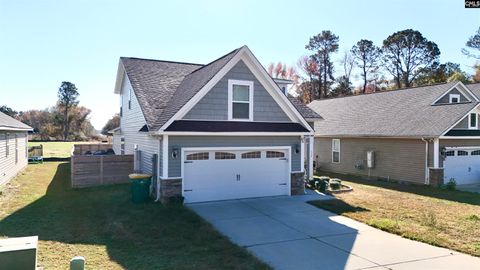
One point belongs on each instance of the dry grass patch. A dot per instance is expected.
(103, 225)
(444, 218)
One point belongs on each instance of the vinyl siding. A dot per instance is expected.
(446, 98)
(396, 159)
(8, 167)
(214, 105)
(463, 124)
(116, 143)
(131, 122)
(174, 165)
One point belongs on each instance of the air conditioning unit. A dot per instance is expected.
(18, 253)
(370, 159)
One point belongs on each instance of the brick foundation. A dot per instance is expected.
(297, 184)
(170, 188)
(435, 176)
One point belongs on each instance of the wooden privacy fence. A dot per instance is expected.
(81, 149)
(95, 170)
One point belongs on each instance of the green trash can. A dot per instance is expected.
(140, 185)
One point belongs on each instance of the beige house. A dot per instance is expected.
(426, 135)
(13, 147)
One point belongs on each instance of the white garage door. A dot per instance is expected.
(234, 173)
(463, 165)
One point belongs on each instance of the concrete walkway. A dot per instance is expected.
(288, 233)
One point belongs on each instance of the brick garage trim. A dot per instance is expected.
(297, 184)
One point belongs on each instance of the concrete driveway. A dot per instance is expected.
(288, 233)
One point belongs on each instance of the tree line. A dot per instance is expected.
(64, 121)
(404, 59)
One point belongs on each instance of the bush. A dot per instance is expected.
(451, 185)
(335, 184)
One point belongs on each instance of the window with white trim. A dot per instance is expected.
(198, 156)
(224, 155)
(475, 153)
(240, 100)
(250, 155)
(336, 150)
(462, 153)
(450, 153)
(275, 154)
(454, 98)
(472, 121)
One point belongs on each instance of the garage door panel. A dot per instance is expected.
(247, 175)
(463, 165)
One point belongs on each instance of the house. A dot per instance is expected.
(13, 147)
(224, 130)
(426, 135)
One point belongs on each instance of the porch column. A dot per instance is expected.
(311, 140)
(165, 156)
(302, 153)
(436, 153)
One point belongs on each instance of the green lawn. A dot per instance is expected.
(56, 149)
(102, 225)
(440, 217)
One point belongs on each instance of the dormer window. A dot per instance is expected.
(240, 100)
(454, 98)
(472, 121)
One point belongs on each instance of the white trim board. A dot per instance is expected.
(191, 133)
(250, 101)
(461, 118)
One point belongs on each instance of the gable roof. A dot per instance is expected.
(303, 109)
(154, 82)
(474, 88)
(396, 113)
(163, 88)
(9, 123)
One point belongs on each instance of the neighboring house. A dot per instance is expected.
(223, 130)
(425, 135)
(13, 147)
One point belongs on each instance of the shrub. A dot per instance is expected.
(335, 184)
(451, 185)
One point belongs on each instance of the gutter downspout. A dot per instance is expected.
(427, 181)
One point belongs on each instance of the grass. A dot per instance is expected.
(56, 149)
(102, 225)
(435, 216)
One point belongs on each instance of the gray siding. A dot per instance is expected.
(446, 98)
(462, 124)
(214, 105)
(396, 159)
(9, 164)
(174, 165)
(131, 122)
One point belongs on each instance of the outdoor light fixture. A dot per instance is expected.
(174, 152)
(297, 148)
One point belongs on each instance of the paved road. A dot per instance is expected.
(288, 233)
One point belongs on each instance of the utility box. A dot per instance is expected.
(18, 253)
(370, 159)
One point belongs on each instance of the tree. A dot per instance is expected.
(476, 76)
(343, 87)
(306, 89)
(323, 45)
(67, 98)
(473, 43)
(8, 111)
(282, 71)
(436, 73)
(112, 123)
(459, 76)
(367, 57)
(405, 52)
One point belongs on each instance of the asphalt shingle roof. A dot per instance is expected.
(164, 87)
(303, 109)
(9, 123)
(397, 113)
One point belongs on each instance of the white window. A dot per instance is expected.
(472, 121)
(462, 153)
(454, 98)
(336, 150)
(240, 100)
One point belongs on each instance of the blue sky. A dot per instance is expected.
(46, 42)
